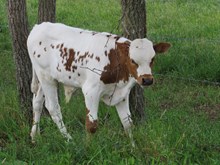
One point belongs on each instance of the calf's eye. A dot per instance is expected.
(133, 62)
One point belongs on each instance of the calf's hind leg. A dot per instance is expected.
(37, 102)
(52, 105)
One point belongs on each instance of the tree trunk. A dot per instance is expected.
(134, 26)
(134, 19)
(18, 25)
(47, 11)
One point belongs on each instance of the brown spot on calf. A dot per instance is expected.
(120, 66)
(82, 57)
(92, 56)
(74, 68)
(106, 54)
(97, 58)
(91, 127)
(70, 60)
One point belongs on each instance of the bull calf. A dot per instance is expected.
(105, 66)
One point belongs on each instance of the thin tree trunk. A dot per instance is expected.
(134, 26)
(47, 11)
(18, 25)
(134, 18)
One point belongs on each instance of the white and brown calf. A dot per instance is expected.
(105, 66)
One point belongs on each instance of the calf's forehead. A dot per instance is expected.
(141, 49)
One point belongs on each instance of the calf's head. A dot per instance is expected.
(142, 52)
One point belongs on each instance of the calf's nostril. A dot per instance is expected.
(147, 81)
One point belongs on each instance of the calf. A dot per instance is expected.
(105, 66)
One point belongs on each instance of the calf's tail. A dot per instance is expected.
(34, 82)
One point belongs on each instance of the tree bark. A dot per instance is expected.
(18, 25)
(47, 11)
(134, 26)
(134, 18)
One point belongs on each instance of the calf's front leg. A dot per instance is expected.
(125, 117)
(92, 97)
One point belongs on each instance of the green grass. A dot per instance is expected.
(192, 28)
(183, 117)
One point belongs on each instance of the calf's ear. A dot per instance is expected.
(161, 47)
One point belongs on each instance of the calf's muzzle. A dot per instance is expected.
(147, 81)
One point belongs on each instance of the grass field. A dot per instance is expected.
(183, 123)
